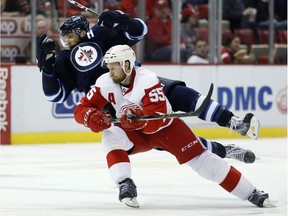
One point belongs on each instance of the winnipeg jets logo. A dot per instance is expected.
(86, 56)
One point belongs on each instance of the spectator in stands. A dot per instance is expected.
(196, 2)
(189, 21)
(2, 5)
(280, 8)
(112, 4)
(201, 53)
(129, 7)
(159, 37)
(150, 7)
(262, 14)
(93, 5)
(238, 15)
(44, 7)
(66, 9)
(43, 26)
(11, 8)
(231, 52)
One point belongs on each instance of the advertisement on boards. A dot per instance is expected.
(15, 35)
(5, 104)
(242, 89)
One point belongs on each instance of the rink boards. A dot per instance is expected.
(27, 117)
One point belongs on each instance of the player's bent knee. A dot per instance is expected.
(210, 166)
(115, 138)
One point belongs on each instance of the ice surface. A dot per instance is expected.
(73, 180)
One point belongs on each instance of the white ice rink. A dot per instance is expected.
(72, 180)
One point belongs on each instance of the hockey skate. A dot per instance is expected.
(249, 125)
(128, 193)
(243, 155)
(260, 199)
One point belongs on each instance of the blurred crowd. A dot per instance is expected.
(244, 26)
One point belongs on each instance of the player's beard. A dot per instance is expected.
(118, 80)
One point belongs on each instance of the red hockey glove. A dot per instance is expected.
(97, 121)
(129, 124)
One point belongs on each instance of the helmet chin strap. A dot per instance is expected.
(127, 75)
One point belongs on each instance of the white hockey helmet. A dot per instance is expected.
(120, 53)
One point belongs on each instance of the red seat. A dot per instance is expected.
(246, 36)
(203, 11)
(263, 59)
(264, 36)
(282, 35)
(203, 33)
(225, 34)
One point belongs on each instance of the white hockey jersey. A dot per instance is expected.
(145, 91)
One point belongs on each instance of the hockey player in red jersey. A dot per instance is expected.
(69, 70)
(136, 91)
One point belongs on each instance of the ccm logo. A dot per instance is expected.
(189, 145)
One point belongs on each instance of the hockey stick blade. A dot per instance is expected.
(77, 4)
(197, 112)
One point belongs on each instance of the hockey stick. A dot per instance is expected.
(77, 4)
(197, 112)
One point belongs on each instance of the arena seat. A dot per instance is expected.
(203, 33)
(246, 36)
(264, 36)
(282, 35)
(261, 52)
(203, 11)
(225, 34)
(280, 53)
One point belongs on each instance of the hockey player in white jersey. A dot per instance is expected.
(136, 91)
(70, 70)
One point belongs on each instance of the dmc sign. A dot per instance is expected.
(246, 98)
(242, 98)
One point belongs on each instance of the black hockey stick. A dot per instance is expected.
(197, 112)
(77, 4)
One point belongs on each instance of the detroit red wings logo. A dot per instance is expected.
(86, 56)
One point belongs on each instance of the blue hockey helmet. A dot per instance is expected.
(75, 23)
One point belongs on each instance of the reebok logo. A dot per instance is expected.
(3, 99)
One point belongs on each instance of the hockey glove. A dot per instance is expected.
(129, 124)
(115, 19)
(46, 54)
(97, 121)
